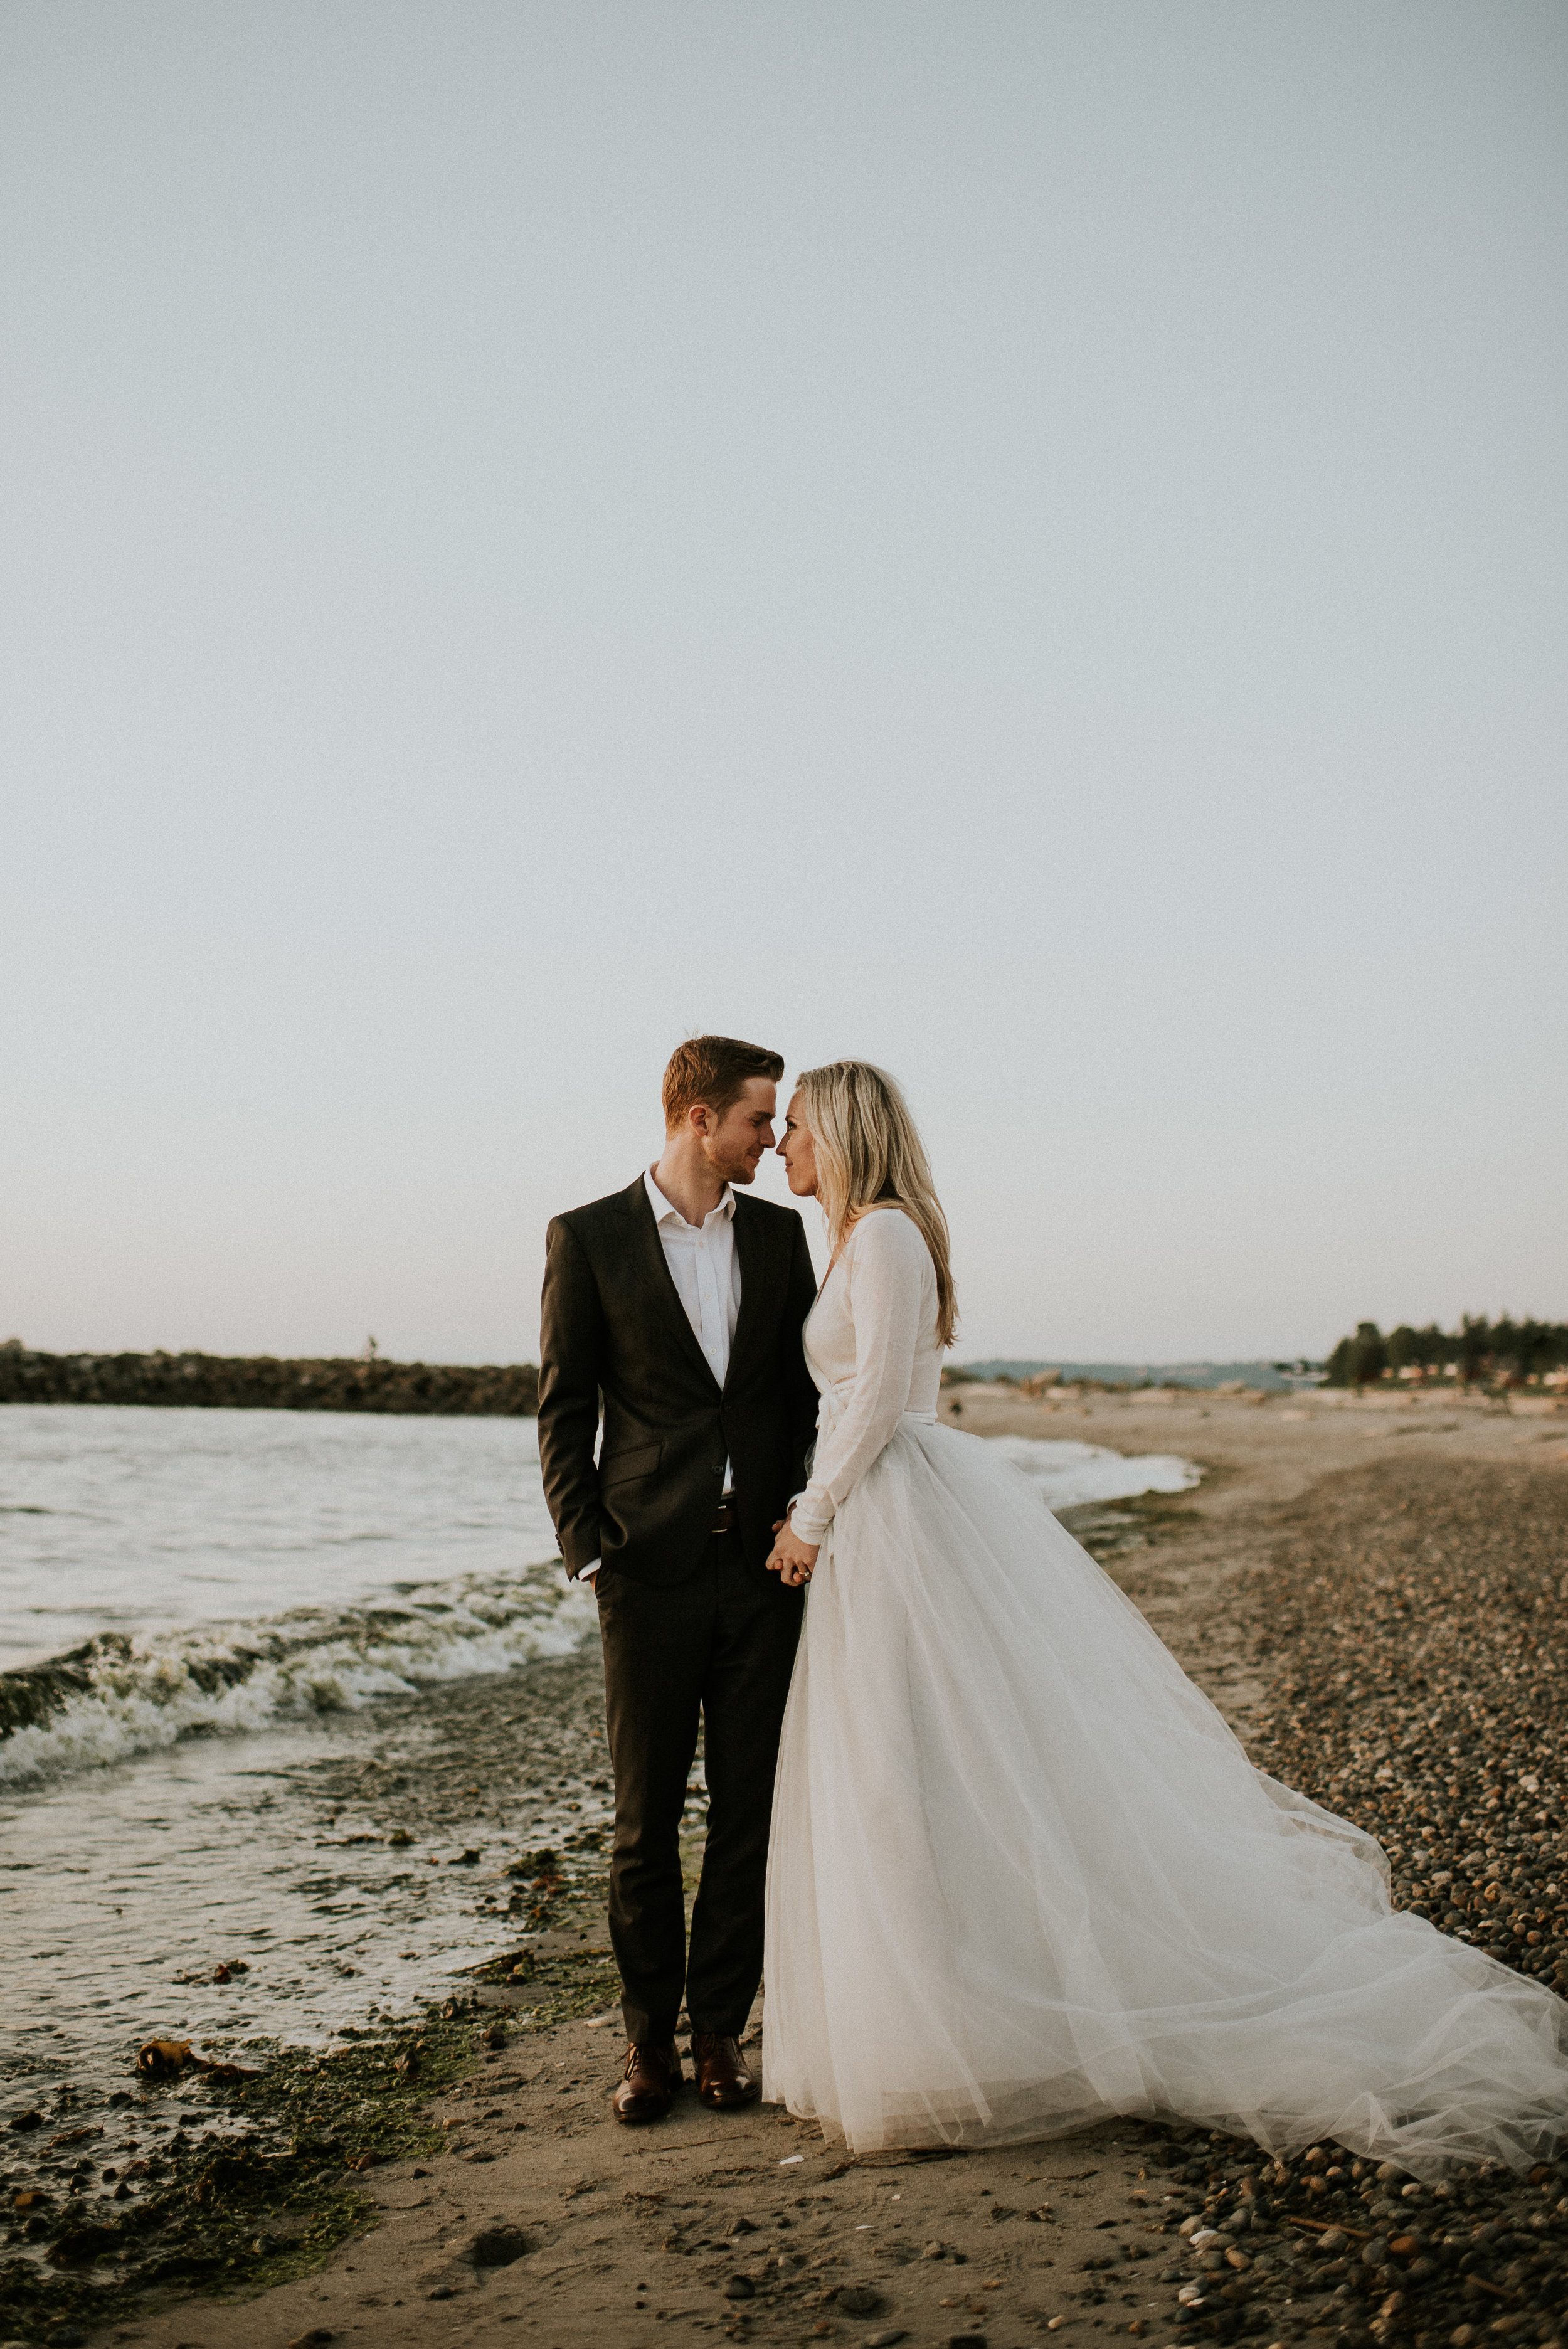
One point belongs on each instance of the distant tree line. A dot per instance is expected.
(1479, 1352)
(262, 1382)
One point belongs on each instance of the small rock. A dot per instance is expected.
(442, 2292)
(399, 1837)
(26, 2120)
(885, 2339)
(160, 2059)
(858, 2300)
(316, 2338)
(738, 2287)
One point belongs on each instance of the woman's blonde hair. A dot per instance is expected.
(870, 1154)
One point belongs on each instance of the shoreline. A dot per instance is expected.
(603, 2211)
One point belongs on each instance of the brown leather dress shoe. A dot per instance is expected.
(649, 2083)
(722, 2073)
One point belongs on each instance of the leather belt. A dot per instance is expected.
(725, 1519)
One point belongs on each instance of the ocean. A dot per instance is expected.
(207, 1621)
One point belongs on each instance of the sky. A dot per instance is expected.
(1026, 543)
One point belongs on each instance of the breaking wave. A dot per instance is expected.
(119, 1695)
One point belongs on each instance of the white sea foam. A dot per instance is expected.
(116, 1696)
(1068, 1474)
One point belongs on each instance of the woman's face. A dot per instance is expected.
(798, 1150)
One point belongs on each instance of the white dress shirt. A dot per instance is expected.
(707, 1274)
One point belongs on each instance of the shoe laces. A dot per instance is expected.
(638, 2050)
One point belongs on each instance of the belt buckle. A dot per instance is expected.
(724, 1519)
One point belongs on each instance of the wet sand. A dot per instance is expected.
(1326, 1546)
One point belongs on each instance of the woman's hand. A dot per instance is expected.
(793, 1559)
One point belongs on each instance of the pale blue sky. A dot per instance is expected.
(1026, 543)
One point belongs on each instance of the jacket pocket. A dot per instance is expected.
(622, 1467)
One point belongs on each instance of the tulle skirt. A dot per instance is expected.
(1023, 1877)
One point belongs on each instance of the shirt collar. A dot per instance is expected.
(665, 1212)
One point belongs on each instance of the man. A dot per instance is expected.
(680, 1303)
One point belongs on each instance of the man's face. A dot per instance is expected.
(734, 1143)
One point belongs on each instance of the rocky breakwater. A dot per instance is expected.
(263, 1382)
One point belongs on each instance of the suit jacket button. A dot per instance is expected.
(719, 1471)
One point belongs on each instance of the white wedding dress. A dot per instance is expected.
(1022, 1875)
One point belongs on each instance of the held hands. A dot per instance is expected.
(791, 1560)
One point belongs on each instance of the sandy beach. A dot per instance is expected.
(1345, 1572)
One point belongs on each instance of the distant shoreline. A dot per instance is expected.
(264, 1382)
(1267, 1377)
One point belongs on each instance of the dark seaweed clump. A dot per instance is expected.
(234, 2210)
(254, 2202)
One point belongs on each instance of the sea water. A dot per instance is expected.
(196, 1607)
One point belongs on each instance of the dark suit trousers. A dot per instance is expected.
(718, 1647)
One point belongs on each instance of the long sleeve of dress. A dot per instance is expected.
(891, 1278)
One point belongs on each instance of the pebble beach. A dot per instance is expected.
(1375, 1597)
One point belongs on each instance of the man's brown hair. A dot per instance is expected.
(713, 1070)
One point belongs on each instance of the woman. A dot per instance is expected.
(1022, 1875)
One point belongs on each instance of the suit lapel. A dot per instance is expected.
(656, 1284)
(751, 1254)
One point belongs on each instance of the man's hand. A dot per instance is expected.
(793, 1559)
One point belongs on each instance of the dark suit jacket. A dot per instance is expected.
(614, 1326)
